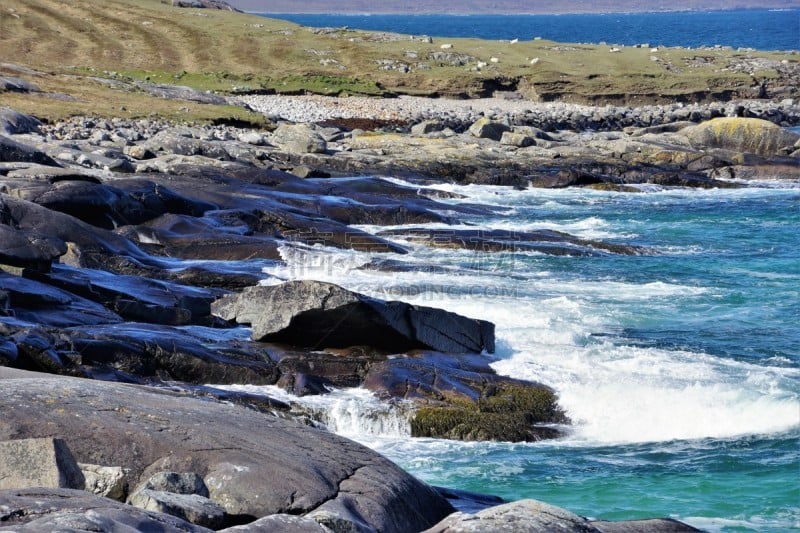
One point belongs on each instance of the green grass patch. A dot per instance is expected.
(325, 85)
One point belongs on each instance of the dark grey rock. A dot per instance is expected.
(652, 525)
(469, 502)
(193, 508)
(216, 236)
(135, 298)
(38, 510)
(11, 150)
(544, 241)
(10, 83)
(254, 465)
(177, 483)
(146, 352)
(13, 122)
(29, 249)
(283, 523)
(521, 516)
(39, 303)
(317, 314)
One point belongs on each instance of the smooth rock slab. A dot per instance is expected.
(650, 525)
(44, 462)
(11, 150)
(742, 134)
(13, 122)
(318, 314)
(254, 464)
(523, 516)
(29, 249)
(283, 523)
(41, 510)
(190, 507)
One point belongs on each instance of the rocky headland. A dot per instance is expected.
(137, 217)
(132, 249)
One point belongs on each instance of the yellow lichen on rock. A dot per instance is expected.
(742, 134)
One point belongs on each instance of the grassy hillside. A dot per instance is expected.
(230, 52)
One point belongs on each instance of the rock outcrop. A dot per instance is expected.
(461, 397)
(253, 465)
(317, 315)
(517, 517)
(37, 510)
(743, 135)
(524, 516)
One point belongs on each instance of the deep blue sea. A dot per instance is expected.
(759, 29)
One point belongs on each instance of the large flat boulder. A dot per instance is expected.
(22, 248)
(13, 122)
(648, 525)
(318, 314)
(40, 303)
(39, 509)
(11, 150)
(254, 464)
(521, 516)
(742, 135)
(43, 462)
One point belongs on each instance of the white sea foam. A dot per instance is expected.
(564, 331)
(356, 413)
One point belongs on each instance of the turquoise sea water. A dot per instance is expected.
(679, 368)
(757, 28)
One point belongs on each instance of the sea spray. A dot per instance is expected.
(355, 413)
(679, 368)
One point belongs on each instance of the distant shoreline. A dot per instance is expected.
(510, 13)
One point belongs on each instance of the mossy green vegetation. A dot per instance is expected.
(322, 84)
(507, 412)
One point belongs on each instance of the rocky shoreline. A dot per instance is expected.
(458, 115)
(132, 251)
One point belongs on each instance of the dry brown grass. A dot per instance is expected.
(221, 50)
